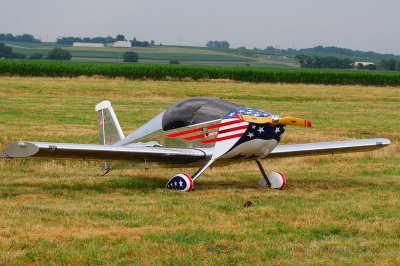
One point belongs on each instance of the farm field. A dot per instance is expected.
(184, 72)
(334, 209)
(162, 54)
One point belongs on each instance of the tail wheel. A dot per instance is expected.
(182, 182)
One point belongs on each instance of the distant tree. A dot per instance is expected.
(372, 67)
(217, 44)
(18, 38)
(130, 57)
(120, 37)
(59, 54)
(36, 56)
(301, 58)
(5, 51)
(174, 62)
(389, 64)
(135, 42)
(110, 39)
(359, 66)
(152, 42)
(71, 40)
(101, 39)
(306, 61)
(241, 48)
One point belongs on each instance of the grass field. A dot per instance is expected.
(342, 209)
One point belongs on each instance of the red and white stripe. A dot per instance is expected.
(229, 129)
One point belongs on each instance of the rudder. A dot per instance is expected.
(110, 131)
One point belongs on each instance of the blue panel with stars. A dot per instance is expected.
(257, 131)
(180, 182)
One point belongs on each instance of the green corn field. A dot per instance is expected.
(161, 72)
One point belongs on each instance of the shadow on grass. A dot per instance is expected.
(143, 183)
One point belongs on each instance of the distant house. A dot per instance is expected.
(364, 64)
(87, 44)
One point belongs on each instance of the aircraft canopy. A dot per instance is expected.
(196, 110)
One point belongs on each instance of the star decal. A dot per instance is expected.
(277, 130)
(180, 183)
(250, 135)
(260, 130)
(253, 126)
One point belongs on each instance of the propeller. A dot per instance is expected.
(273, 119)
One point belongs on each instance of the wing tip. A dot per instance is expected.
(19, 149)
(382, 142)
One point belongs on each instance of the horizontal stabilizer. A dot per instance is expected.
(319, 148)
(26, 149)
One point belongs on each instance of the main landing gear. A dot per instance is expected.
(272, 179)
(184, 182)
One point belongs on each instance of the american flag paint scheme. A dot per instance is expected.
(195, 132)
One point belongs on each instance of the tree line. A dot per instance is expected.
(104, 40)
(349, 52)
(108, 39)
(18, 38)
(306, 61)
(390, 65)
(137, 43)
(54, 54)
(217, 44)
(7, 52)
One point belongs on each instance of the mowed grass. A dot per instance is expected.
(341, 209)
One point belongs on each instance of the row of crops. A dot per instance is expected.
(159, 72)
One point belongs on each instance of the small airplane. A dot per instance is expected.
(195, 132)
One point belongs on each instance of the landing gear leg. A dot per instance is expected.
(202, 169)
(106, 172)
(183, 182)
(263, 173)
(272, 179)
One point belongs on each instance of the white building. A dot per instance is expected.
(363, 63)
(122, 44)
(87, 44)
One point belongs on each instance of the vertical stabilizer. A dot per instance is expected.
(110, 131)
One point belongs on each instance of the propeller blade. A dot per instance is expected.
(293, 121)
(255, 119)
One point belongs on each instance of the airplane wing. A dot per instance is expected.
(26, 149)
(319, 148)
